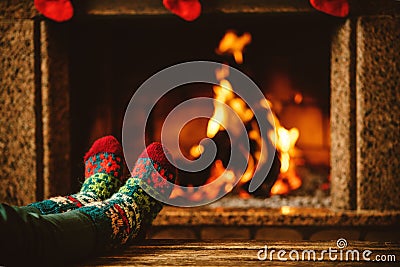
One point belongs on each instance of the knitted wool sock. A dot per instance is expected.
(120, 218)
(103, 172)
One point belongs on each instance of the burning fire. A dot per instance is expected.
(285, 139)
(224, 181)
(223, 94)
(196, 151)
(285, 144)
(288, 179)
(233, 44)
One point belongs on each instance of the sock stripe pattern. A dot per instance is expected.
(120, 218)
(149, 182)
(95, 188)
(116, 220)
(103, 172)
(101, 184)
(63, 204)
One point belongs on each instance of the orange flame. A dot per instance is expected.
(288, 179)
(284, 139)
(223, 92)
(286, 142)
(224, 95)
(196, 151)
(233, 44)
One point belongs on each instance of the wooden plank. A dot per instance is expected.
(236, 253)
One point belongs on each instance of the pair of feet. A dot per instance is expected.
(118, 211)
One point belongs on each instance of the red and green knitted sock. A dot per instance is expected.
(103, 173)
(120, 218)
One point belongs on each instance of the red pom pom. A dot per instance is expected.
(105, 144)
(157, 153)
(58, 10)
(338, 8)
(187, 9)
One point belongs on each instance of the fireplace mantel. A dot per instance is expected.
(25, 9)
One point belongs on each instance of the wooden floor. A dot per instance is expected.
(242, 253)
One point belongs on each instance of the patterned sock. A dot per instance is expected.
(120, 218)
(103, 172)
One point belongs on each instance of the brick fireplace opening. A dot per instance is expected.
(69, 84)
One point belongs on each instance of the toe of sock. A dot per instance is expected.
(158, 154)
(105, 144)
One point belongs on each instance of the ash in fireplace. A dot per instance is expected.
(312, 193)
(317, 201)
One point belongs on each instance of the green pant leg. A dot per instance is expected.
(27, 238)
(30, 209)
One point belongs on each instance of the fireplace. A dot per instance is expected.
(340, 74)
(107, 64)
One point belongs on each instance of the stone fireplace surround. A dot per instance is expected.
(365, 123)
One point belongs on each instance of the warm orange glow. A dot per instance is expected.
(196, 151)
(298, 98)
(285, 210)
(233, 44)
(222, 73)
(248, 174)
(285, 143)
(288, 179)
(283, 139)
(214, 123)
(223, 93)
(244, 194)
(226, 179)
(294, 182)
(223, 178)
(280, 188)
(239, 106)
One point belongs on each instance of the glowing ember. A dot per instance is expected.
(298, 98)
(233, 44)
(196, 151)
(285, 210)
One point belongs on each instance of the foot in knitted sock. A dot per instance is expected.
(103, 173)
(120, 218)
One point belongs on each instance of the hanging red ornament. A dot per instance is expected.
(58, 10)
(338, 8)
(187, 9)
